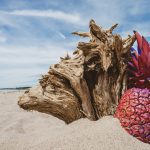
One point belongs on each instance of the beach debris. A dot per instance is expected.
(88, 84)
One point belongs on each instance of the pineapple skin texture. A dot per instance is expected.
(133, 112)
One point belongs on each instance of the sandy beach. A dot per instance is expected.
(22, 130)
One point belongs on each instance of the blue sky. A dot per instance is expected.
(35, 33)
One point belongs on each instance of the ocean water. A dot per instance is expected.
(11, 90)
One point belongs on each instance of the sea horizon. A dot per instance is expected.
(15, 88)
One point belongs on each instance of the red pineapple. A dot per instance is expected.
(133, 110)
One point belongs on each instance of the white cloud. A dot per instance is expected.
(74, 18)
(61, 35)
(6, 19)
(11, 78)
(19, 62)
(3, 39)
(16, 54)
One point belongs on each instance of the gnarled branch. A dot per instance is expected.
(89, 84)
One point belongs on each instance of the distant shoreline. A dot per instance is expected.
(13, 89)
(17, 88)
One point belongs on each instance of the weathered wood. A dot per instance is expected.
(89, 84)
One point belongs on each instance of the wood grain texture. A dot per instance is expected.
(89, 84)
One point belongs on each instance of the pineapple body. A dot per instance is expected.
(134, 113)
(133, 110)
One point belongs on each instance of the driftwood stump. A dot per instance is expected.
(89, 84)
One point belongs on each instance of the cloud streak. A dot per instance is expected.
(74, 18)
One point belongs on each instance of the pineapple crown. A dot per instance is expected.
(139, 67)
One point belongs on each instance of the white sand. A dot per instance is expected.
(22, 130)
